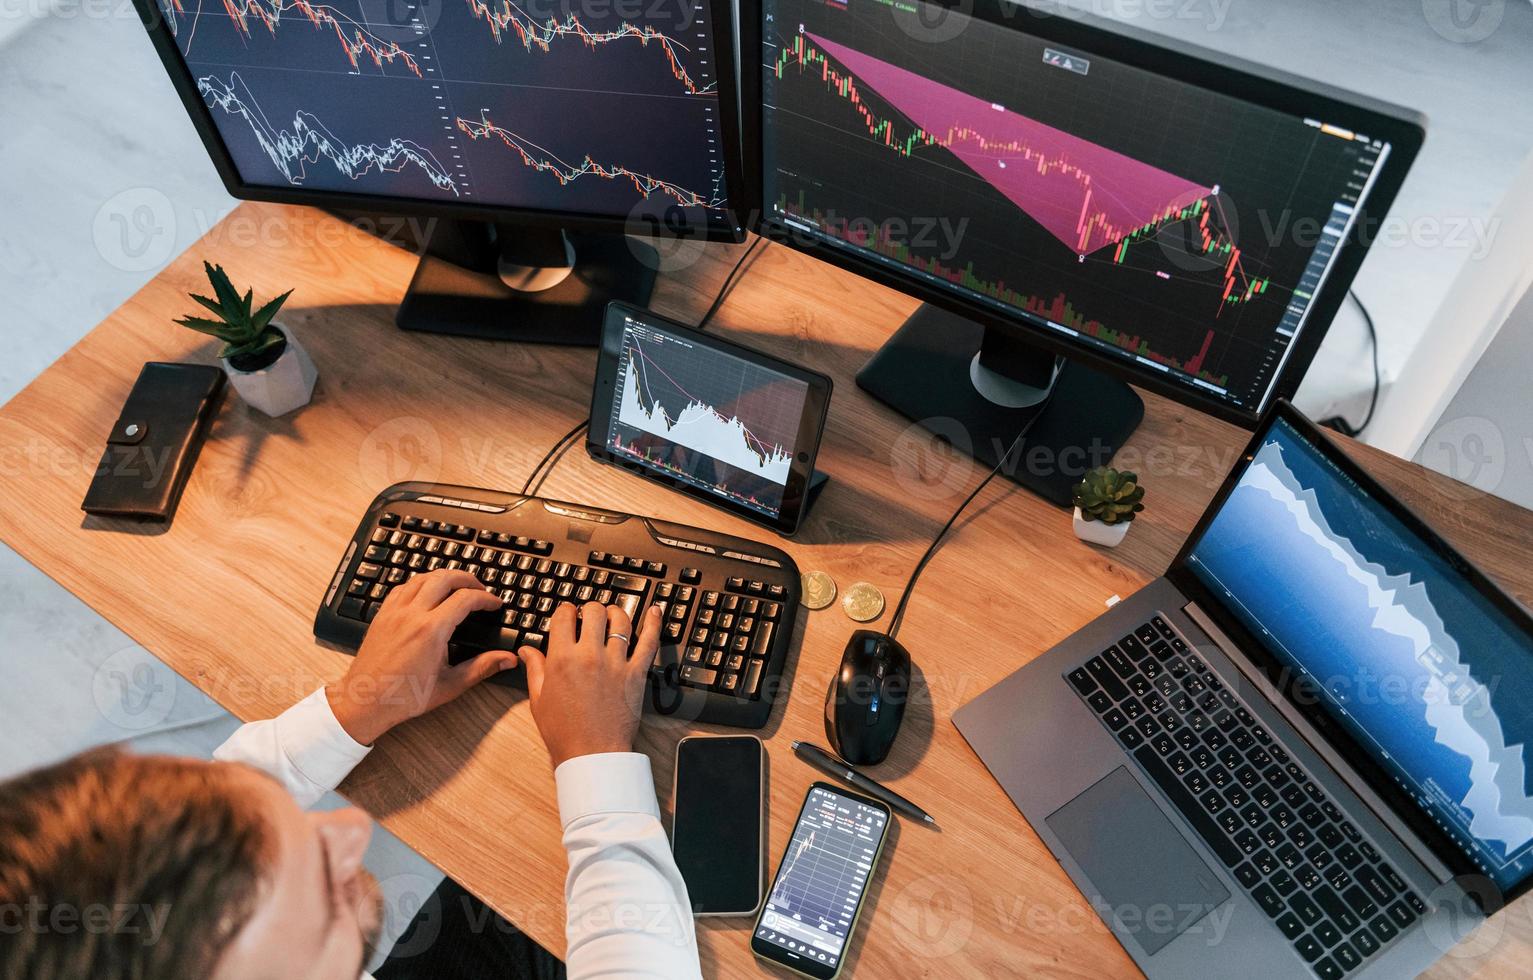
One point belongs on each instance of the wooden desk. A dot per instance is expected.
(227, 594)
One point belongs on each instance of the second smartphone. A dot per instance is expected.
(717, 834)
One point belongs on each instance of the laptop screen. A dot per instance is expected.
(1428, 675)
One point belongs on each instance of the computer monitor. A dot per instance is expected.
(536, 132)
(1077, 206)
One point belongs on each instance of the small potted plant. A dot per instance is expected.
(1105, 504)
(262, 358)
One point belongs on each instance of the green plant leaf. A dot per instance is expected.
(213, 328)
(227, 295)
(264, 315)
(211, 305)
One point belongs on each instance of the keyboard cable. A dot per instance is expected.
(551, 458)
(1336, 421)
(931, 549)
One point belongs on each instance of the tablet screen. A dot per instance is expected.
(701, 414)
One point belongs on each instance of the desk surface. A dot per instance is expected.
(227, 594)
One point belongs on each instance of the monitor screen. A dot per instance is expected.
(1177, 231)
(1431, 678)
(692, 410)
(607, 110)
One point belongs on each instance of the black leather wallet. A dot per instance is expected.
(154, 444)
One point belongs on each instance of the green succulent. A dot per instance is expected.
(1109, 496)
(245, 332)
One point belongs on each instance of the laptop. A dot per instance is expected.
(1301, 752)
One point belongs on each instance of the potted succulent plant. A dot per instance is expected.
(262, 358)
(1106, 502)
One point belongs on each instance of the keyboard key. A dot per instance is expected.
(1247, 875)
(1335, 909)
(1104, 675)
(1268, 899)
(1328, 934)
(1365, 942)
(1130, 738)
(1308, 947)
(1358, 901)
(1118, 661)
(1327, 969)
(1100, 702)
(1080, 679)
(1401, 914)
(1308, 912)
(1290, 926)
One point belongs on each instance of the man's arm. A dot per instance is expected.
(627, 906)
(627, 909)
(304, 748)
(400, 672)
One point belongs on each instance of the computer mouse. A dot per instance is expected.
(866, 700)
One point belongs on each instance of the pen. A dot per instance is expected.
(832, 766)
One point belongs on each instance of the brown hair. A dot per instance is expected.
(121, 866)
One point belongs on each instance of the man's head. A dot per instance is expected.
(114, 865)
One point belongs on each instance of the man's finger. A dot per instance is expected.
(648, 643)
(462, 602)
(477, 670)
(619, 634)
(436, 586)
(561, 631)
(593, 626)
(532, 659)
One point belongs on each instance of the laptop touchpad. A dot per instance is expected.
(1155, 884)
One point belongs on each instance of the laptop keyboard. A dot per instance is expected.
(1310, 869)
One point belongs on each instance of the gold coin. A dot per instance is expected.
(863, 602)
(819, 590)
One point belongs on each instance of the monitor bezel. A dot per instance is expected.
(185, 84)
(1335, 734)
(1402, 128)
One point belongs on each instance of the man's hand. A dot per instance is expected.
(401, 671)
(587, 694)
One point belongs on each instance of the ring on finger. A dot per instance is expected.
(618, 636)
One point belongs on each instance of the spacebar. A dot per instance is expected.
(1211, 832)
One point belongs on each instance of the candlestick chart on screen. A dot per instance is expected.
(1083, 201)
(487, 102)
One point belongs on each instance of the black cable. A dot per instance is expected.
(931, 549)
(552, 457)
(728, 286)
(1336, 421)
(549, 458)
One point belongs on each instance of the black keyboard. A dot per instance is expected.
(729, 603)
(1324, 885)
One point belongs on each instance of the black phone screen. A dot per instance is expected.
(716, 834)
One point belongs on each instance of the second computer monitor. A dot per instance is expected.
(1190, 226)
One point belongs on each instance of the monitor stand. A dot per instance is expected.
(534, 285)
(978, 388)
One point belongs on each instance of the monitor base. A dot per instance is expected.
(925, 372)
(460, 286)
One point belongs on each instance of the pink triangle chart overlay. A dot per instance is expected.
(1085, 195)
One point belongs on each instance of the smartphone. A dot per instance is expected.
(812, 908)
(720, 819)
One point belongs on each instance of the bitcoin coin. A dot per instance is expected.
(863, 602)
(819, 590)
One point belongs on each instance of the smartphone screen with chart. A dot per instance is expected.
(814, 901)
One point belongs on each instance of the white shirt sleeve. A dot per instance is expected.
(627, 906)
(305, 748)
(628, 911)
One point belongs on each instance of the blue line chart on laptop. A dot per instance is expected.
(1426, 672)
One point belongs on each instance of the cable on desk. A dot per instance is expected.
(549, 458)
(552, 457)
(931, 549)
(1336, 421)
(728, 287)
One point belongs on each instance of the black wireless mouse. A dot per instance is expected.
(866, 700)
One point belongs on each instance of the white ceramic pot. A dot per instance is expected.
(282, 386)
(1095, 532)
